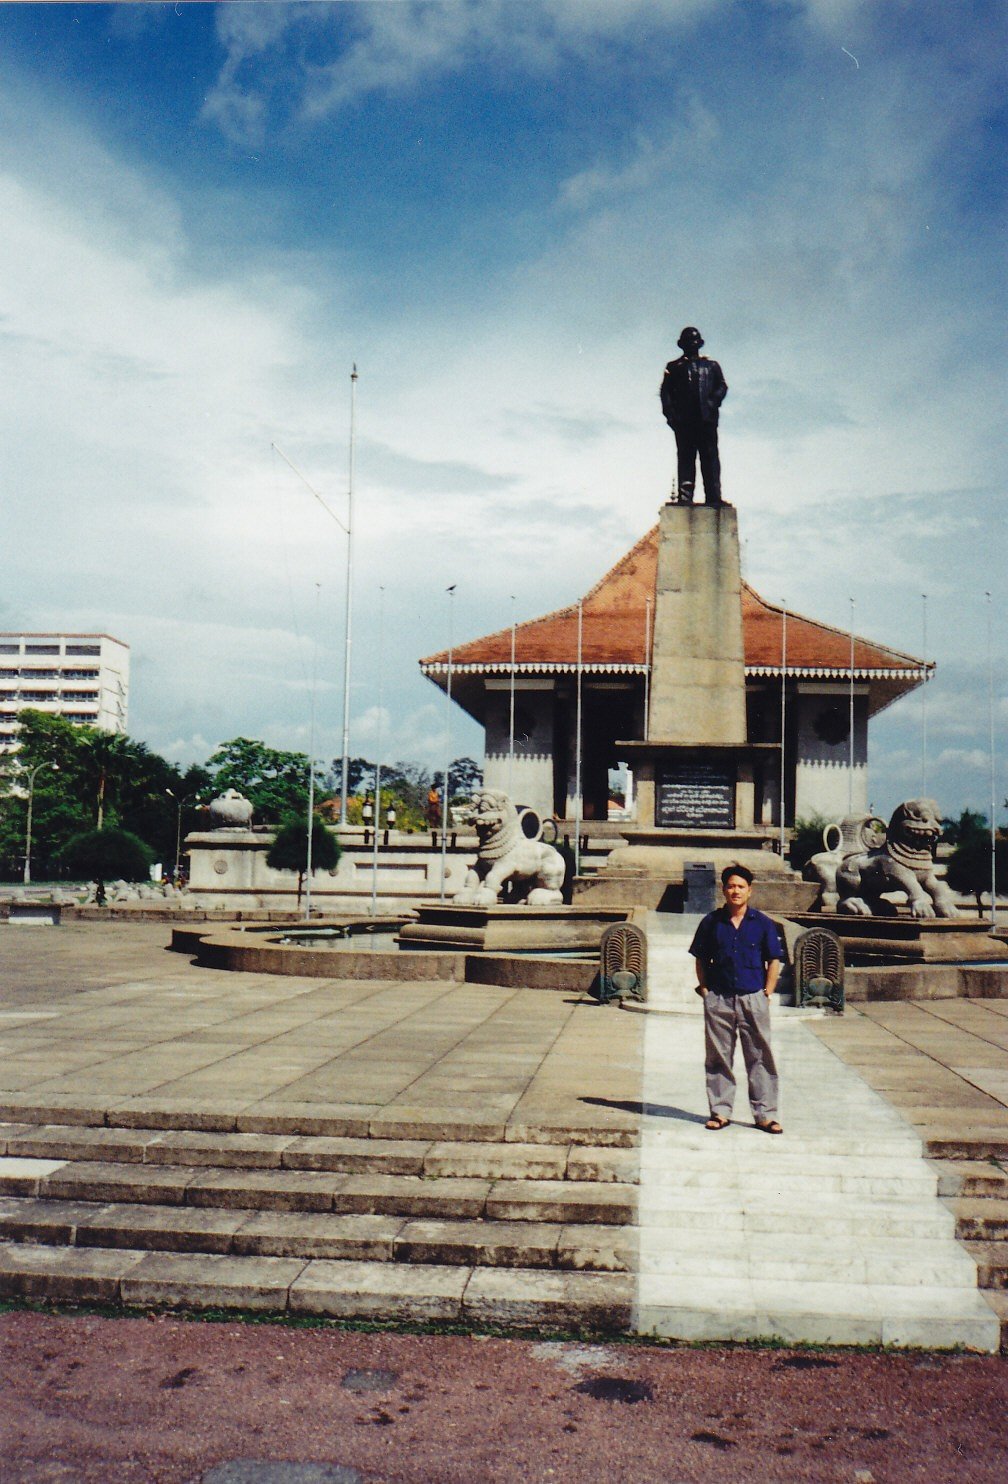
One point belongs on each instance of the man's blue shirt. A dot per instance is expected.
(735, 959)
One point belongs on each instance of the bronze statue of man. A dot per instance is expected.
(692, 391)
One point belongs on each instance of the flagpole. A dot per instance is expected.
(511, 724)
(850, 763)
(349, 599)
(311, 766)
(924, 698)
(447, 767)
(993, 771)
(783, 717)
(577, 748)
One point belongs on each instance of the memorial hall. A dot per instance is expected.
(685, 682)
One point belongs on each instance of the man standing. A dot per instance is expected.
(738, 962)
(692, 391)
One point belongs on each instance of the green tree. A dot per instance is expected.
(274, 782)
(971, 825)
(360, 776)
(969, 866)
(103, 855)
(806, 840)
(289, 851)
(84, 777)
(464, 777)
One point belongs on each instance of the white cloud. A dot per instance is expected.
(392, 46)
(509, 437)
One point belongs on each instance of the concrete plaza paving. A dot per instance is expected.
(102, 1025)
(95, 1017)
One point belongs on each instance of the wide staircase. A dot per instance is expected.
(424, 1229)
(974, 1187)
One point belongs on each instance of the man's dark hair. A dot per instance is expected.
(742, 871)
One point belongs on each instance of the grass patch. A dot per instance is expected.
(768, 1343)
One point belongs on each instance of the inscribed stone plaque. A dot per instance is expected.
(695, 796)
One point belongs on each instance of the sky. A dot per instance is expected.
(502, 213)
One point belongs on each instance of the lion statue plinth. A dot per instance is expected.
(869, 860)
(507, 855)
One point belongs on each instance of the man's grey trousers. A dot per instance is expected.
(747, 1017)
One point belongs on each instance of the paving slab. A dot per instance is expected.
(22, 1175)
(64, 1275)
(361, 1290)
(97, 1181)
(513, 1244)
(162, 1228)
(385, 1156)
(206, 1281)
(320, 1117)
(497, 1161)
(597, 1301)
(413, 1196)
(267, 1190)
(308, 1234)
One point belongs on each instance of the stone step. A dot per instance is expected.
(915, 1185)
(991, 1260)
(970, 1177)
(825, 1313)
(968, 1145)
(433, 1158)
(789, 1219)
(611, 1203)
(896, 1261)
(980, 1218)
(338, 1289)
(322, 1120)
(998, 1300)
(310, 1235)
(696, 1146)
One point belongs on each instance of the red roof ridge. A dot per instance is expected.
(827, 628)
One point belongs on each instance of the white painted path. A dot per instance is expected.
(830, 1233)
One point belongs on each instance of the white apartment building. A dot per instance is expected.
(82, 677)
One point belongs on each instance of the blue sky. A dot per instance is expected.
(503, 213)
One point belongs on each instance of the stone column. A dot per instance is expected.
(698, 663)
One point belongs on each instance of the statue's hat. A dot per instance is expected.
(691, 331)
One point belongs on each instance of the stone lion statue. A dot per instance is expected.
(868, 860)
(506, 854)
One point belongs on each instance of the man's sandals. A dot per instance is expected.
(715, 1122)
(768, 1125)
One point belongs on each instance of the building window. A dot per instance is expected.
(39, 695)
(42, 649)
(77, 674)
(40, 674)
(80, 696)
(82, 649)
(10, 649)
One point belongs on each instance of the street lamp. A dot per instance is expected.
(180, 804)
(28, 826)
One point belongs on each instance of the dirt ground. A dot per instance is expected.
(86, 1398)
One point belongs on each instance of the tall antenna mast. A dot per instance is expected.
(349, 602)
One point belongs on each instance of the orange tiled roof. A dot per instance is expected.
(613, 634)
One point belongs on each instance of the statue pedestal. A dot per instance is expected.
(701, 785)
(696, 771)
(697, 658)
(509, 929)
